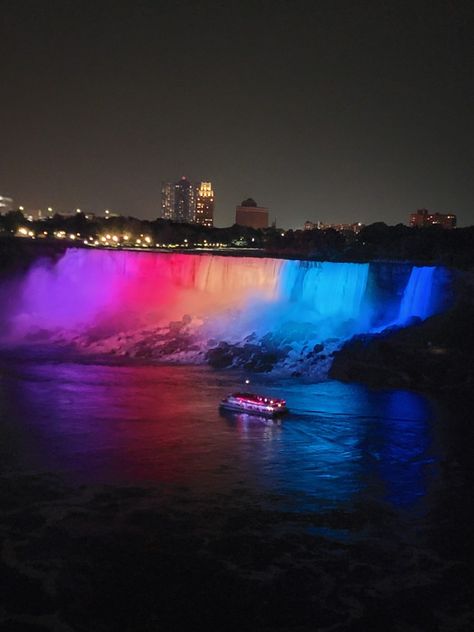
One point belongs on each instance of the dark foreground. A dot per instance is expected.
(170, 517)
(132, 558)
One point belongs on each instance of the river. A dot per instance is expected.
(343, 515)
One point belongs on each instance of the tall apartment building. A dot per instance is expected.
(423, 217)
(184, 201)
(187, 202)
(205, 204)
(251, 215)
(167, 200)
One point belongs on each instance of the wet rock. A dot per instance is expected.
(437, 354)
(175, 326)
(263, 362)
(172, 346)
(220, 357)
(144, 353)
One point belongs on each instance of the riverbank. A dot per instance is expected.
(436, 355)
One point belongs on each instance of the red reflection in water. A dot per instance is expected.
(121, 423)
(131, 424)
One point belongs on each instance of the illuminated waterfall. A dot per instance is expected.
(124, 290)
(417, 298)
(330, 289)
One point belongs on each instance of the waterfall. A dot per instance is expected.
(331, 290)
(244, 294)
(417, 298)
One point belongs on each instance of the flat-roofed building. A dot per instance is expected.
(251, 215)
(423, 217)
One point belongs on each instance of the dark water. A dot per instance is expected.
(133, 424)
(378, 481)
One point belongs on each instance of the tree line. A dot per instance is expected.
(377, 241)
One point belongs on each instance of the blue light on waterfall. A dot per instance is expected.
(418, 299)
(299, 301)
(328, 289)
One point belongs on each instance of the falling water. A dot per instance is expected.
(244, 294)
(330, 289)
(417, 298)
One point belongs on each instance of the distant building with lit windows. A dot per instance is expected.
(188, 202)
(184, 201)
(423, 217)
(178, 201)
(167, 200)
(251, 215)
(204, 204)
(355, 228)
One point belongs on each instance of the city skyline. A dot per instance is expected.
(35, 212)
(188, 202)
(339, 113)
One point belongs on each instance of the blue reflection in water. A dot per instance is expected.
(342, 441)
(132, 424)
(406, 447)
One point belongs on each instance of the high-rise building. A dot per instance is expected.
(205, 204)
(251, 215)
(178, 201)
(424, 218)
(167, 200)
(187, 202)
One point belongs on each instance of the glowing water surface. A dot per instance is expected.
(135, 424)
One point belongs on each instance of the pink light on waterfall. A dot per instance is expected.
(103, 294)
(90, 287)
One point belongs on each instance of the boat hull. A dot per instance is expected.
(256, 410)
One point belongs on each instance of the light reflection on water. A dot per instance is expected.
(133, 424)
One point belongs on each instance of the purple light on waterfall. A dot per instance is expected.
(235, 296)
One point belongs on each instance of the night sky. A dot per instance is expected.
(327, 110)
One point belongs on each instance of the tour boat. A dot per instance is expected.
(254, 404)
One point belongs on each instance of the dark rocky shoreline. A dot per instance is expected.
(436, 355)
